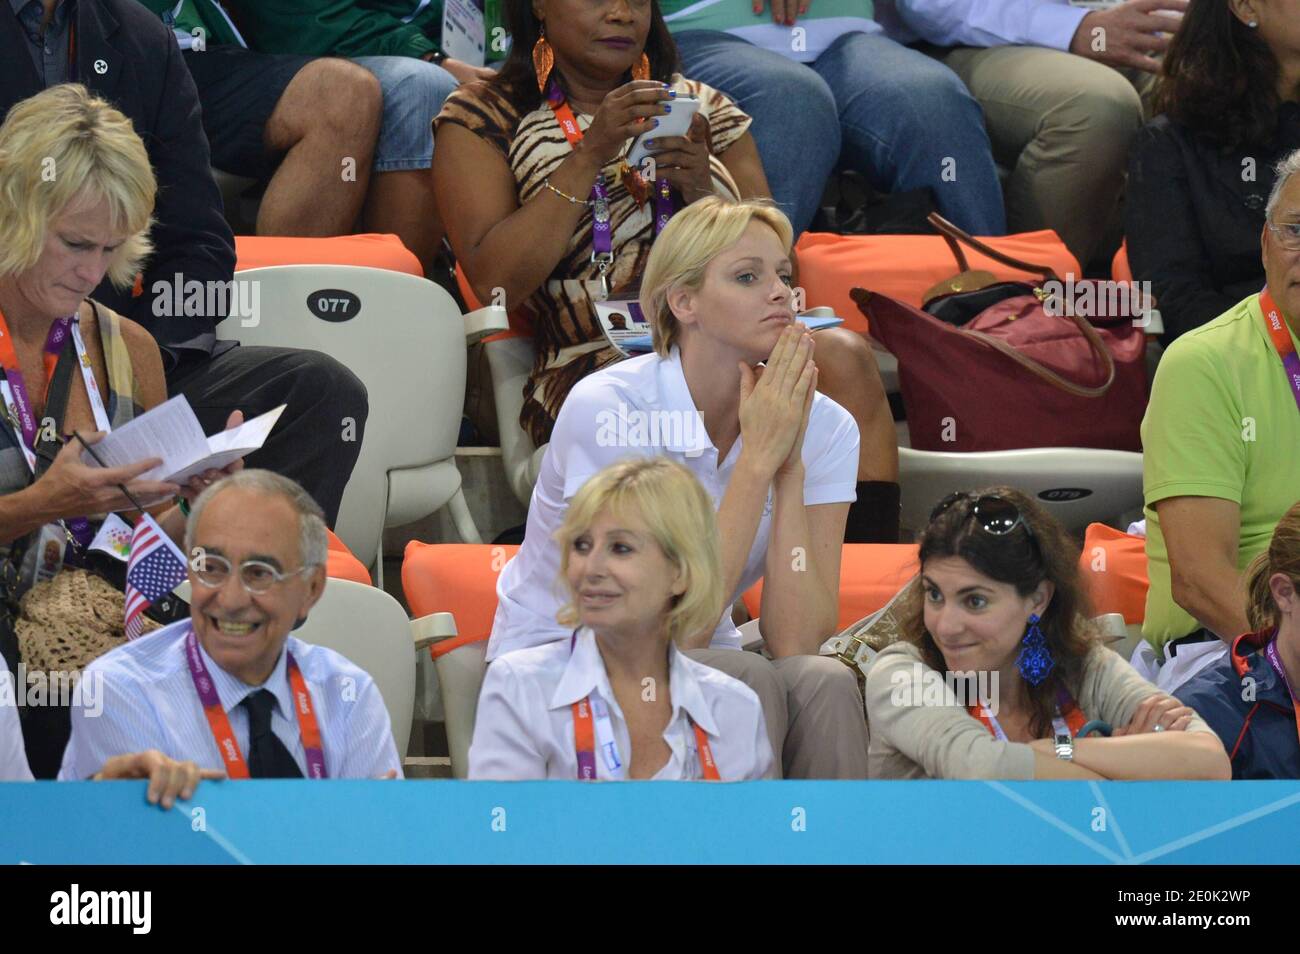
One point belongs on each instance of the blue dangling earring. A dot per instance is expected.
(1035, 659)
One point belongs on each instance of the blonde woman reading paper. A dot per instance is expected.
(999, 675)
(70, 365)
(616, 700)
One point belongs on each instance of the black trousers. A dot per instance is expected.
(318, 437)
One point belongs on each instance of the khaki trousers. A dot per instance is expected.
(812, 706)
(1063, 124)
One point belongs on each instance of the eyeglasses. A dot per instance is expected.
(256, 576)
(993, 514)
(1288, 234)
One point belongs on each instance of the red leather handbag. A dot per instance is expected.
(1002, 371)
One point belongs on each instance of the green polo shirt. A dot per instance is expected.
(1222, 422)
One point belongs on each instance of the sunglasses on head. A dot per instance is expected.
(993, 514)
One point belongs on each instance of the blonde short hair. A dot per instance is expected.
(679, 513)
(56, 147)
(684, 249)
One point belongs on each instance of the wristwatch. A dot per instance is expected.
(437, 57)
(1065, 747)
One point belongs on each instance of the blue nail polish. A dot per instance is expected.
(667, 108)
(649, 143)
(672, 94)
(656, 124)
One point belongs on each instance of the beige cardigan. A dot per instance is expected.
(943, 741)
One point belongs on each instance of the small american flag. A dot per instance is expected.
(156, 567)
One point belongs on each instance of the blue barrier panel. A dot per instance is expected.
(432, 822)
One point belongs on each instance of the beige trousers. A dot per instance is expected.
(812, 706)
(1062, 123)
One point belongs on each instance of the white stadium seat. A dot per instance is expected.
(404, 338)
(1076, 485)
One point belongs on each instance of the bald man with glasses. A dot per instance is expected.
(229, 688)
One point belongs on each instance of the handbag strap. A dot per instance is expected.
(955, 238)
(1047, 374)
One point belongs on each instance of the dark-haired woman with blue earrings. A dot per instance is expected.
(999, 674)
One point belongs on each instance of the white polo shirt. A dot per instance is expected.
(524, 725)
(643, 407)
(13, 757)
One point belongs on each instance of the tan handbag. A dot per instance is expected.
(67, 622)
(857, 644)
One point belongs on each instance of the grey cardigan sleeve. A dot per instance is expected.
(1112, 689)
(907, 711)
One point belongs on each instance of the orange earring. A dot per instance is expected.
(543, 60)
(642, 69)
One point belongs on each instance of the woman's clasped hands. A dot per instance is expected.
(775, 403)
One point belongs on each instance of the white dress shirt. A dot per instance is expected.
(524, 726)
(13, 756)
(149, 702)
(1048, 23)
(643, 407)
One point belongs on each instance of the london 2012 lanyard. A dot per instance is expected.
(1277, 331)
(64, 332)
(1067, 720)
(219, 723)
(1275, 660)
(585, 732)
(602, 245)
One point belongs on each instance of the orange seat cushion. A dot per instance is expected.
(1114, 569)
(342, 565)
(372, 251)
(1119, 267)
(870, 574)
(904, 267)
(456, 578)
(460, 578)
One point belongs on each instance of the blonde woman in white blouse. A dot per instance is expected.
(617, 700)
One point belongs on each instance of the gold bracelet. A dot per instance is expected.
(546, 183)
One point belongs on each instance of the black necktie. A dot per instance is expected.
(267, 756)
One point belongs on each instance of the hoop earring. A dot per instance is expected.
(1035, 660)
(642, 69)
(543, 60)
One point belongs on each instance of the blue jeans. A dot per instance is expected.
(413, 95)
(901, 119)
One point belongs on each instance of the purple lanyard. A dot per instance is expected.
(1274, 660)
(220, 726)
(665, 207)
(78, 528)
(586, 753)
(18, 387)
(602, 232)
